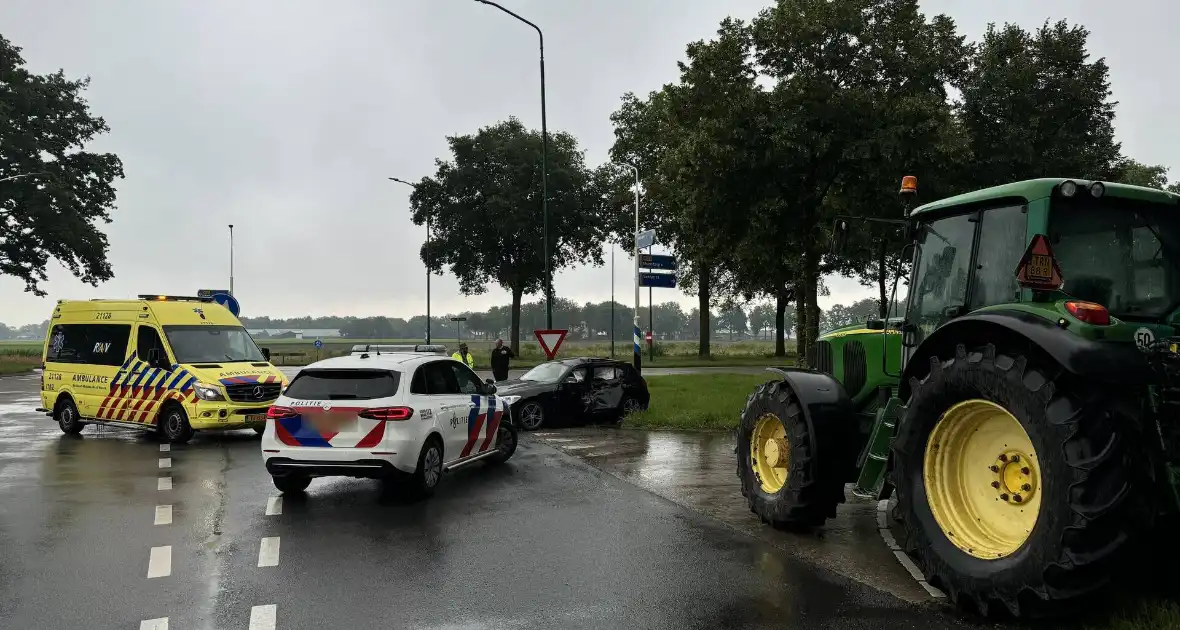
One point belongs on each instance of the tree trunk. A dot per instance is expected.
(703, 299)
(800, 317)
(812, 270)
(514, 343)
(780, 321)
(883, 279)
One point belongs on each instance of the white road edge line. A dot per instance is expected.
(268, 552)
(891, 542)
(160, 563)
(164, 448)
(160, 623)
(263, 617)
(274, 506)
(164, 483)
(165, 462)
(163, 515)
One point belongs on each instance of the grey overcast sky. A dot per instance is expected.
(285, 118)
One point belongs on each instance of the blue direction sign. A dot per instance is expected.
(318, 344)
(229, 302)
(657, 261)
(657, 280)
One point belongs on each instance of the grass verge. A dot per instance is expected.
(1145, 614)
(696, 402)
(17, 363)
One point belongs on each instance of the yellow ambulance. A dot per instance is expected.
(168, 364)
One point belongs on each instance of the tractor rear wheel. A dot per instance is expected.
(781, 478)
(1019, 489)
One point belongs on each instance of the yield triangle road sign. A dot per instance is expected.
(550, 341)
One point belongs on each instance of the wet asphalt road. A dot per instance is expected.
(545, 541)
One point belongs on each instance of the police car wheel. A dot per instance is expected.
(291, 483)
(505, 444)
(67, 417)
(424, 480)
(173, 425)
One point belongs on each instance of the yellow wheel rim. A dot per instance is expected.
(982, 479)
(770, 453)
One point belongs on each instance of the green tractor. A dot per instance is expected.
(1023, 412)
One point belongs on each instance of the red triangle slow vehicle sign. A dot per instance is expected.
(1038, 267)
(550, 341)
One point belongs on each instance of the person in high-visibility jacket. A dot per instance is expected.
(464, 356)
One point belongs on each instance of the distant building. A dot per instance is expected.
(295, 333)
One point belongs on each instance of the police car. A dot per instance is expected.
(403, 414)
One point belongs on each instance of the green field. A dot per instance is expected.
(696, 402)
(668, 354)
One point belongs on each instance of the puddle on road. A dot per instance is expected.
(698, 471)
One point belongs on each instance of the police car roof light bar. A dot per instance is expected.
(379, 348)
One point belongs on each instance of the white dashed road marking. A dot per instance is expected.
(268, 552)
(164, 448)
(163, 515)
(164, 483)
(165, 462)
(891, 542)
(154, 624)
(274, 506)
(160, 564)
(263, 617)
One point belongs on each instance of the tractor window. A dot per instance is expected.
(944, 263)
(1002, 241)
(1118, 254)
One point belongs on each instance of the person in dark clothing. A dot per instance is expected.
(500, 356)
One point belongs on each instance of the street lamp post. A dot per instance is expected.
(415, 187)
(544, 169)
(231, 258)
(638, 355)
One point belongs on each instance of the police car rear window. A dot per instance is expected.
(343, 385)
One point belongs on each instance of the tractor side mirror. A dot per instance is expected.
(839, 236)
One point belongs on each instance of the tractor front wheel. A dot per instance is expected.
(1017, 491)
(781, 477)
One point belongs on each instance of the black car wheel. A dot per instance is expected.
(68, 418)
(532, 415)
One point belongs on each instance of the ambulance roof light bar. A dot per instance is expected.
(174, 298)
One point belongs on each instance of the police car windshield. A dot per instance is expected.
(545, 373)
(212, 344)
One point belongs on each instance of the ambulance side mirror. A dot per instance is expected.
(155, 359)
(266, 353)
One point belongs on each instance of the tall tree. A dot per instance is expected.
(690, 141)
(851, 82)
(761, 318)
(484, 205)
(1140, 174)
(53, 192)
(1035, 105)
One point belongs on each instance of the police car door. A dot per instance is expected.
(483, 414)
(449, 405)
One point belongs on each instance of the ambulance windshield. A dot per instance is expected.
(212, 344)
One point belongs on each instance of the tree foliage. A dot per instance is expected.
(53, 192)
(484, 208)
